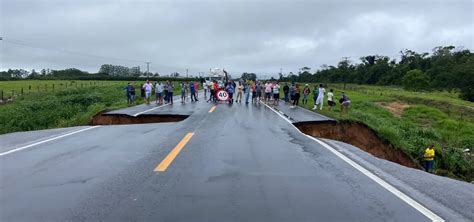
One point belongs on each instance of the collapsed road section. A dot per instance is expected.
(358, 135)
(120, 119)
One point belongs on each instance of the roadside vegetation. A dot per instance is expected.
(446, 69)
(14, 89)
(411, 121)
(63, 107)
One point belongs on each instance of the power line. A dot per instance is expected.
(76, 53)
(19, 42)
(26, 44)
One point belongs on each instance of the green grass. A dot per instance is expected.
(440, 118)
(16, 88)
(64, 107)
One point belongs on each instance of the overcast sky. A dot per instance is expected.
(241, 36)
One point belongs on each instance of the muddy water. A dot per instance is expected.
(358, 135)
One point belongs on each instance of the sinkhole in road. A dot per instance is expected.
(121, 119)
(358, 135)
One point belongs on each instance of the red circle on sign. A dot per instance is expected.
(222, 95)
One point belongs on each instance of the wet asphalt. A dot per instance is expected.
(244, 163)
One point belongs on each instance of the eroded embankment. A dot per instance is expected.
(359, 135)
(119, 119)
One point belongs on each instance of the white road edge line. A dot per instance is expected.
(425, 211)
(47, 140)
(148, 110)
(313, 112)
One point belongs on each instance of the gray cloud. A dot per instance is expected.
(253, 36)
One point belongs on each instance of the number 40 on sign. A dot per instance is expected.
(222, 95)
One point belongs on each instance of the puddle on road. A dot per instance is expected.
(121, 119)
(358, 135)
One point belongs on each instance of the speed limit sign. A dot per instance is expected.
(222, 95)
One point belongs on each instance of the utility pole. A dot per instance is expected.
(147, 69)
(344, 76)
(186, 73)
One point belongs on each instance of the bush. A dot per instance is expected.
(415, 80)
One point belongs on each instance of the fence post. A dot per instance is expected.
(29, 88)
(21, 90)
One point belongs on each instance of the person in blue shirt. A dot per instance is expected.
(129, 88)
(170, 92)
(230, 90)
(183, 92)
(247, 92)
(192, 90)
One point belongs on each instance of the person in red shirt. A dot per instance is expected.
(254, 93)
(196, 87)
(216, 88)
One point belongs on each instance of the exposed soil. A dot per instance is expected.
(396, 108)
(359, 135)
(119, 119)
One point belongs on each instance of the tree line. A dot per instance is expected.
(446, 68)
(106, 72)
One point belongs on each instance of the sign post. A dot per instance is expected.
(222, 95)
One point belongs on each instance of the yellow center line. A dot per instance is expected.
(172, 155)
(212, 109)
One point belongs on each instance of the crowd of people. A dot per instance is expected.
(269, 93)
(189, 89)
(163, 92)
(249, 91)
(293, 92)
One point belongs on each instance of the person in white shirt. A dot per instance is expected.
(206, 87)
(331, 102)
(276, 94)
(159, 93)
(148, 88)
(320, 98)
(268, 91)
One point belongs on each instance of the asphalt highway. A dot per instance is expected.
(223, 163)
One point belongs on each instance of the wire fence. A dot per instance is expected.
(8, 95)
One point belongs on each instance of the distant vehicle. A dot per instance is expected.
(219, 75)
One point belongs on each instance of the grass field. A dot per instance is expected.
(63, 107)
(412, 120)
(17, 88)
